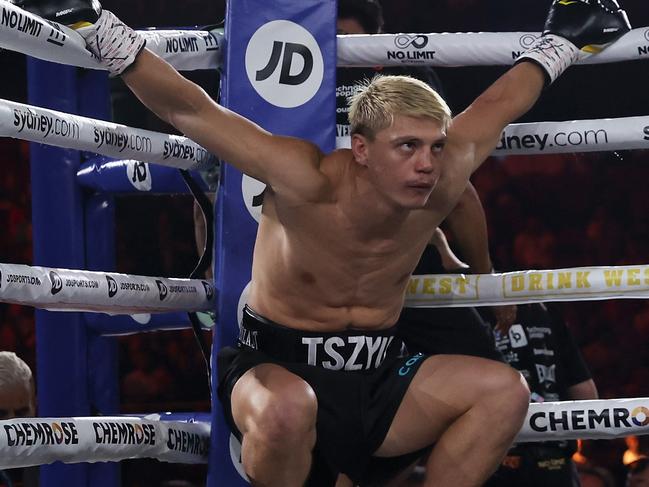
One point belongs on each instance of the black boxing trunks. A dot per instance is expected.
(359, 379)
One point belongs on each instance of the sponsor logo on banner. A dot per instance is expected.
(45, 125)
(525, 41)
(23, 279)
(16, 20)
(209, 290)
(517, 338)
(211, 42)
(106, 137)
(539, 142)
(118, 433)
(41, 434)
(139, 175)
(582, 419)
(252, 191)
(186, 151)
(57, 283)
(56, 36)
(185, 442)
(644, 50)
(411, 48)
(284, 64)
(112, 286)
(182, 44)
(162, 289)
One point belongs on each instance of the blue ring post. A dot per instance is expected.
(57, 218)
(313, 119)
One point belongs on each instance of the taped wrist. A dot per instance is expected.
(114, 43)
(553, 53)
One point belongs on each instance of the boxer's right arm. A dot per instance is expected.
(287, 164)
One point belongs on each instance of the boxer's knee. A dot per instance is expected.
(506, 393)
(287, 417)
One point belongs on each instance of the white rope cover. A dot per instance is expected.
(187, 50)
(24, 32)
(532, 286)
(107, 292)
(61, 129)
(467, 49)
(599, 419)
(39, 441)
(607, 134)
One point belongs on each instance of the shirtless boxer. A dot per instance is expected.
(317, 379)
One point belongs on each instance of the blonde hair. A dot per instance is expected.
(14, 371)
(374, 106)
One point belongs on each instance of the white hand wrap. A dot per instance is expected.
(553, 53)
(114, 43)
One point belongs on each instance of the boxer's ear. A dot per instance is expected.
(360, 149)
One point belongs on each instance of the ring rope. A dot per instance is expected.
(61, 129)
(25, 32)
(29, 442)
(39, 441)
(106, 292)
(606, 134)
(194, 49)
(530, 286)
(468, 49)
(592, 419)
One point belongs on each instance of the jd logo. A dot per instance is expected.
(112, 286)
(139, 175)
(285, 76)
(57, 282)
(252, 191)
(209, 290)
(162, 289)
(284, 63)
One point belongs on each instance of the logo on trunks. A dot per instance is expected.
(410, 48)
(209, 290)
(284, 63)
(348, 352)
(57, 283)
(112, 286)
(162, 289)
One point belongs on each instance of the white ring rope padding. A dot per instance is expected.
(468, 49)
(106, 292)
(39, 441)
(593, 419)
(61, 129)
(27, 33)
(531, 286)
(24, 32)
(606, 134)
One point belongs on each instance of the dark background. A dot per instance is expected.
(544, 212)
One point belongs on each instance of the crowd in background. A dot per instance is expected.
(544, 212)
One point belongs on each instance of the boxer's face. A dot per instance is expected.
(403, 161)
